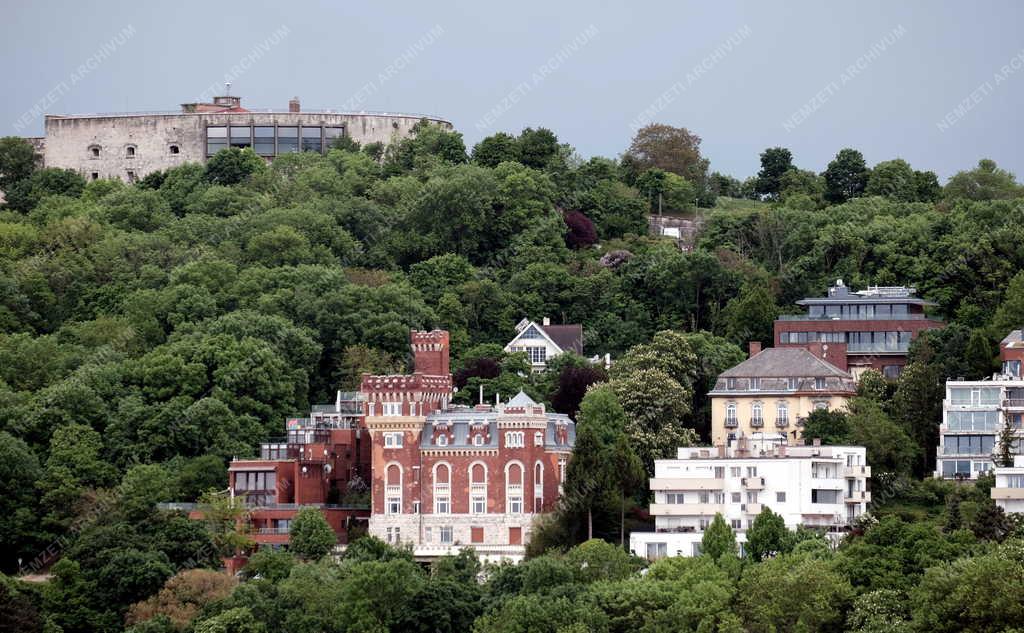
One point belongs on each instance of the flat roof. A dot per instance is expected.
(105, 115)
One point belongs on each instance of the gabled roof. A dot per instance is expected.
(783, 362)
(568, 337)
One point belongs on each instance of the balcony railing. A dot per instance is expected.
(273, 531)
(732, 423)
(756, 422)
(878, 348)
(1013, 403)
(752, 483)
(857, 496)
(875, 317)
(254, 503)
(856, 471)
(782, 422)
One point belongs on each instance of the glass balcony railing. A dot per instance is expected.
(878, 348)
(856, 317)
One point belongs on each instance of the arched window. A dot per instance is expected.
(730, 415)
(478, 488)
(442, 489)
(94, 151)
(129, 151)
(538, 486)
(756, 414)
(393, 489)
(442, 439)
(782, 414)
(478, 439)
(514, 488)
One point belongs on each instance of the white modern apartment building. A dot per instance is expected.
(814, 486)
(973, 413)
(1008, 492)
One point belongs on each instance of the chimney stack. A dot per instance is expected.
(293, 105)
(547, 321)
(755, 348)
(816, 441)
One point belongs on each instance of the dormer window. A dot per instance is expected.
(442, 440)
(478, 439)
(730, 383)
(819, 383)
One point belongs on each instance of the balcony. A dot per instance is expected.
(687, 484)
(856, 471)
(857, 496)
(682, 529)
(1013, 403)
(685, 509)
(876, 348)
(915, 316)
(782, 423)
(751, 508)
(1008, 493)
(272, 531)
(752, 483)
(732, 423)
(756, 422)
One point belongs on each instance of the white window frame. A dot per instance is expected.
(393, 440)
(442, 491)
(513, 500)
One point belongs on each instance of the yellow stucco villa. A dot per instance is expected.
(773, 391)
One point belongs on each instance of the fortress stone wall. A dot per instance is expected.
(129, 146)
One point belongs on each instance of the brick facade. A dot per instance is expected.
(445, 477)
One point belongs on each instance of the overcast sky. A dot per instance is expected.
(811, 76)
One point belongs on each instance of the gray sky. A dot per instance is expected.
(882, 77)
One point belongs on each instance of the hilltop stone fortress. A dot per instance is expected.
(130, 145)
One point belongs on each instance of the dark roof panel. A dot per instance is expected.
(568, 337)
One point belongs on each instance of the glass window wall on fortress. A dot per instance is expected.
(272, 140)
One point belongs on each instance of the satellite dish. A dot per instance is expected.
(304, 469)
(455, 390)
(327, 468)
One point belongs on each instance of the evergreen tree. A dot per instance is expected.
(1005, 445)
(718, 539)
(768, 536)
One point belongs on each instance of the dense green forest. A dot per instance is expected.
(151, 332)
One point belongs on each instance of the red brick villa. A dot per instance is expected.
(441, 476)
(446, 477)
